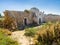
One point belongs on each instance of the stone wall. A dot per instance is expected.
(18, 17)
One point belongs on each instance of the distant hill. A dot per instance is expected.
(51, 17)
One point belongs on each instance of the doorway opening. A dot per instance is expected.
(39, 20)
(25, 21)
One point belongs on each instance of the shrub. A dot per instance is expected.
(26, 11)
(9, 22)
(49, 34)
(5, 31)
(5, 40)
(30, 32)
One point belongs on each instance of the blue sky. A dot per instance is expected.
(48, 6)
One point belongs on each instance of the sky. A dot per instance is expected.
(48, 6)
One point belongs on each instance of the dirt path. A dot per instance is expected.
(19, 36)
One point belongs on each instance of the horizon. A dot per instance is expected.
(48, 6)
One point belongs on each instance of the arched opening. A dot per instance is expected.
(39, 20)
(25, 21)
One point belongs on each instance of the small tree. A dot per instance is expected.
(26, 11)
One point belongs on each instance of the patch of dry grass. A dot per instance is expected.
(5, 31)
(49, 33)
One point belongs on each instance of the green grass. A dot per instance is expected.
(5, 40)
(30, 32)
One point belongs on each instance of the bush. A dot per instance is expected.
(49, 34)
(5, 31)
(5, 40)
(30, 32)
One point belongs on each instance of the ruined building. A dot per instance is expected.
(20, 19)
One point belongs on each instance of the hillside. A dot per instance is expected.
(51, 17)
